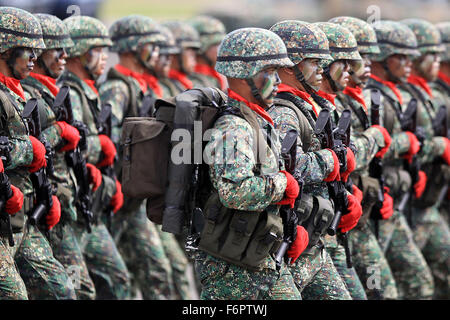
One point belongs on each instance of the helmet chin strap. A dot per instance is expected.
(256, 94)
(11, 61)
(390, 75)
(333, 84)
(47, 71)
(180, 62)
(301, 78)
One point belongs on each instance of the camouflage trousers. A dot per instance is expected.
(12, 286)
(371, 265)
(432, 235)
(104, 262)
(67, 250)
(43, 275)
(221, 280)
(178, 263)
(143, 251)
(316, 277)
(409, 267)
(349, 275)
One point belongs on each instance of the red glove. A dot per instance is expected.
(334, 175)
(95, 176)
(291, 192)
(1, 166)
(350, 220)
(387, 141)
(387, 209)
(15, 203)
(108, 149)
(54, 214)
(419, 186)
(351, 165)
(38, 155)
(357, 193)
(446, 154)
(299, 245)
(117, 198)
(414, 146)
(70, 134)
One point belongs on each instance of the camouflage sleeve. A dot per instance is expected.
(232, 168)
(314, 166)
(115, 92)
(399, 146)
(52, 135)
(431, 149)
(367, 144)
(21, 152)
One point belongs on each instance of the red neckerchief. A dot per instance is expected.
(301, 94)
(91, 84)
(259, 110)
(152, 82)
(181, 77)
(129, 73)
(329, 96)
(47, 81)
(13, 84)
(391, 86)
(356, 93)
(421, 82)
(444, 77)
(207, 70)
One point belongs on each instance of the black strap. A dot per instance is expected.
(359, 111)
(416, 93)
(299, 104)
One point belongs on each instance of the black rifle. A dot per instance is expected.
(42, 187)
(5, 188)
(337, 139)
(440, 128)
(288, 215)
(376, 165)
(104, 126)
(62, 107)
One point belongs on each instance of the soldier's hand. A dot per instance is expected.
(108, 150)
(117, 198)
(333, 175)
(53, 216)
(95, 176)
(291, 192)
(15, 203)
(387, 141)
(414, 146)
(350, 220)
(419, 186)
(351, 165)
(70, 134)
(387, 210)
(38, 155)
(299, 245)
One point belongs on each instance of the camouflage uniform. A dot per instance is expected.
(104, 262)
(314, 273)
(366, 252)
(430, 231)
(64, 245)
(211, 31)
(411, 273)
(43, 275)
(238, 186)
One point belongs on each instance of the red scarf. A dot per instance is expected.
(444, 77)
(181, 77)
(391, 86)
(329, 96)
(259, 110)
(207, 70)
(357, 94)
(137, 76)
(47, 81)
(13, 84)
(153, 84)
(301, 94)
(91, 84)
(421, 82)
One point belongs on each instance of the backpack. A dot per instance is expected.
(148, 172)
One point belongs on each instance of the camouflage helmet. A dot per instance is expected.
(302, 40)
(363, 32)
(427, 35)
(394, 38)
(168, 45)
(86, 33)
(185, 35)
(341, 41)
(246, 51)
(19, 28)
(130, 32)
(444, 29)
(54, 32)
(210, 30)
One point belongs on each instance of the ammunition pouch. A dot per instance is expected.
(369, 187)
(398, 181)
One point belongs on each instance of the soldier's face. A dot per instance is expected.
(55, 60)
(339, 72)
(23, 60)
(360, 69)
(428, 66)
(162, 65)
(312, 71)
(399, 65)
(149, 54)
(267, 82)
(95, 60)
(211, 54)
(188, 59)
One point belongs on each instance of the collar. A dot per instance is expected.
(13, 84)
(357, 94)
(391, 86)
(152, 82)
(301, 94)
(421, 82)
(181, 77)
(253, 106)
(135, 75)
(329, 96)
(91, 84)
(444, 77)
(207, 70)
(47, 81)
